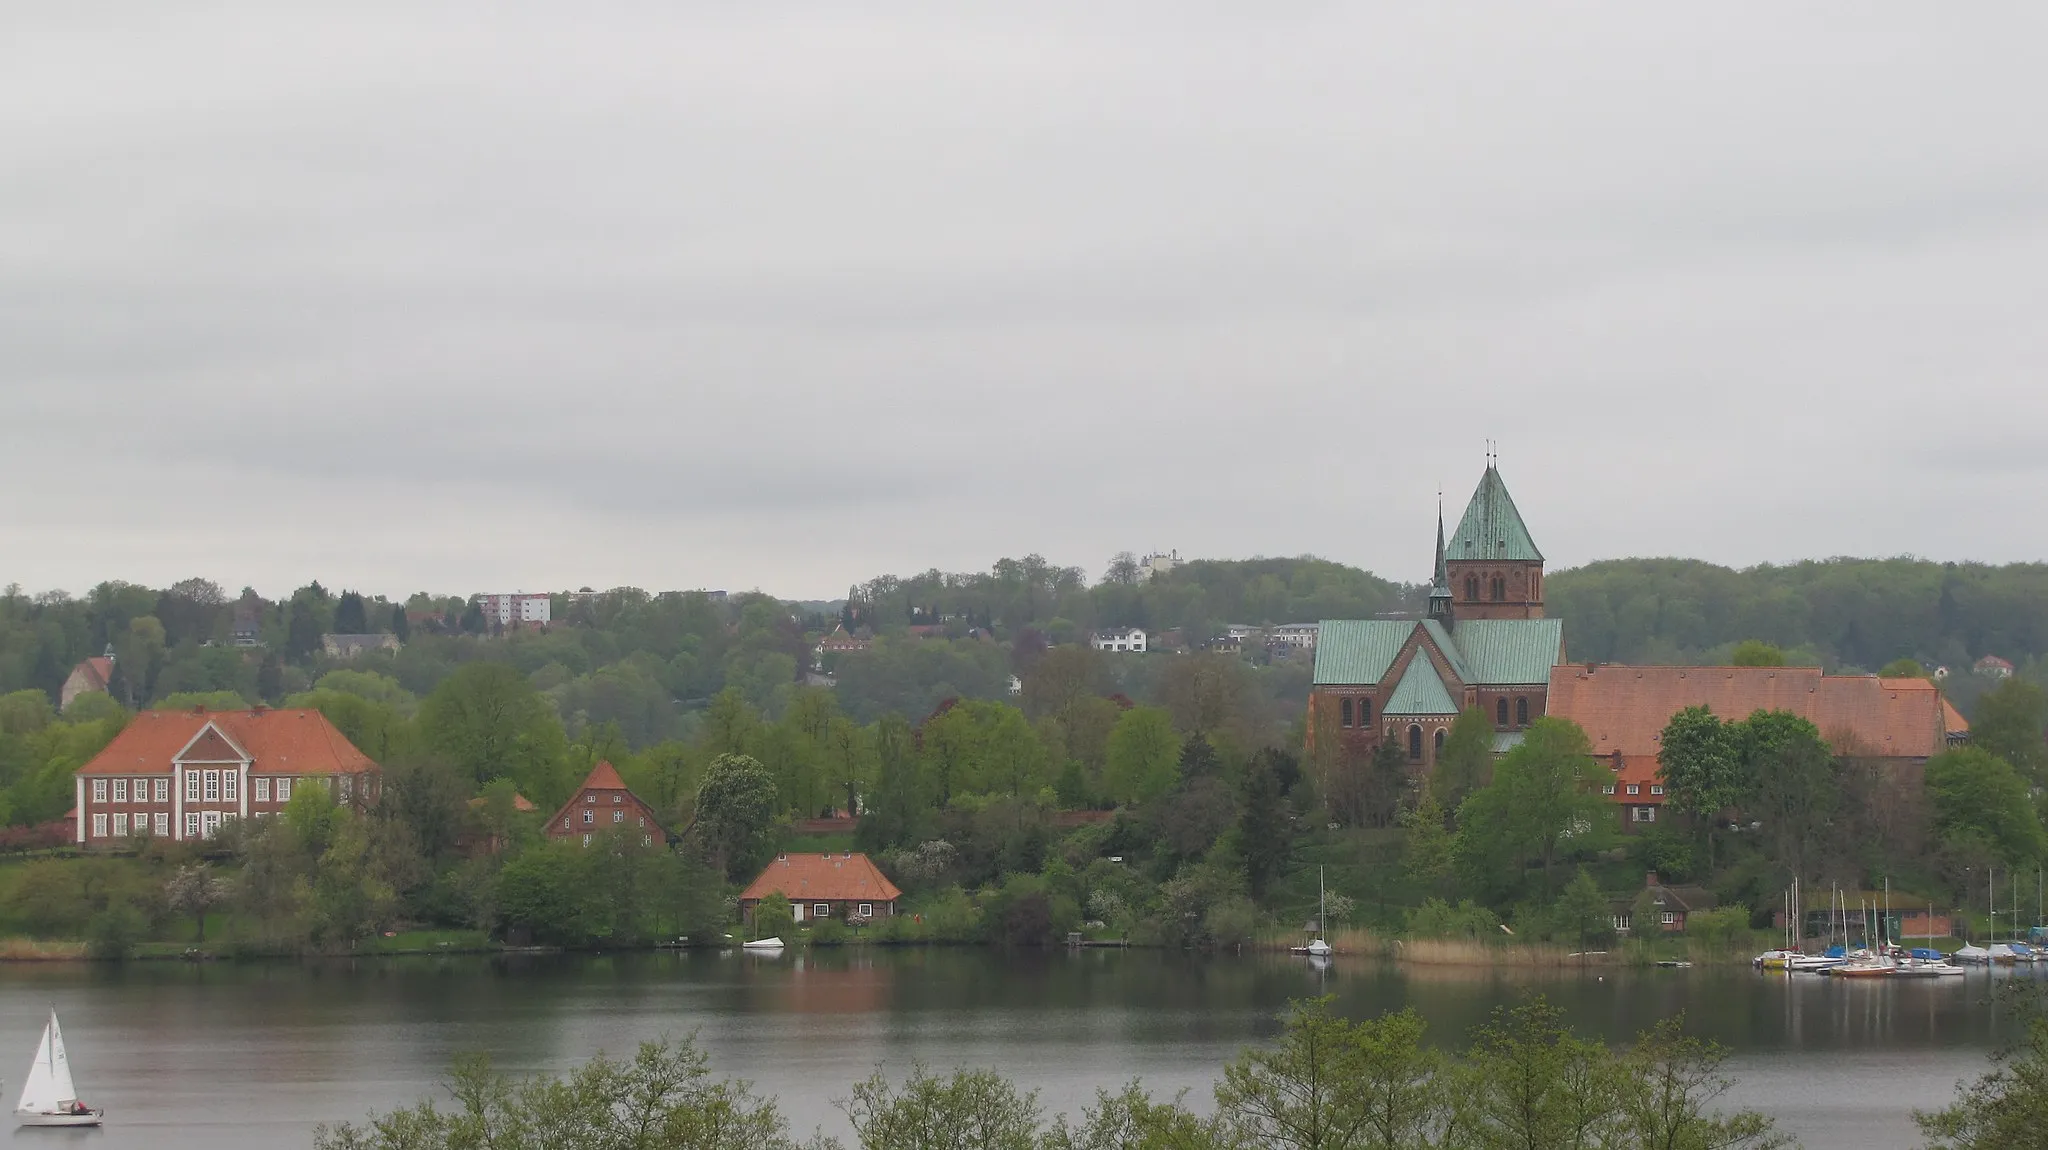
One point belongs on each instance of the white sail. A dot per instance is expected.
(49, 1078)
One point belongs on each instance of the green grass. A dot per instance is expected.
(426, 942)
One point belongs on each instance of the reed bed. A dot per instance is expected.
(1468, 952)
(39, 950)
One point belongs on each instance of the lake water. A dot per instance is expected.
(226, 1055)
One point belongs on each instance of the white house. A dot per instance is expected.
(1118, 639)
(1157, 564)
(517, 608)
(1300, 636)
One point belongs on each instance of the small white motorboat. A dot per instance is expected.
(1972, 955)
(762, 944)
(48, 1098)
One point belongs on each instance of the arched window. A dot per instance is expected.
(1345, 709)
(1365, 712)
(1414, 743)
(1471, 588)
(1439, 742)
(1500, 713)
(1522, 711)
(1499, 589)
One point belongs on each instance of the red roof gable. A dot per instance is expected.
(827, 877)
(99, 671)
(604, 777)
(295, 742)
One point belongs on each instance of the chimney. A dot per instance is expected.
(259, 708)
(1650, 879)
(199, 708)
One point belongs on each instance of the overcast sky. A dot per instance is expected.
(492, 297)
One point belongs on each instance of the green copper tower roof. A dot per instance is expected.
(1492, 528)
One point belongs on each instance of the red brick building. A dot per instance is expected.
(1484, 644)
(844, 885)
(181, 774)
(1900, 723)
(604, 803)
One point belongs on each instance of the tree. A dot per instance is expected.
(1265, 829)
(1466, 761)
(663, 1097)
(138, 656)
(401, 624)
(487, 720)
(195, 890)
(1983, 811)
(1701, 762)
(1429, 850)
(735, 809)
(1542, 796)
(1902, 669)
(1528, 1082)
(965, 1110)
(1789, 780)
(1328, 1084)
(349, 616)
(1756, 653)
(773, 916)
(543, 892)
(1144, 756)
(429, 798)
(1584, 912)
(2006, 1107)
(1123, 570)
(1670, 1093)
(2008, 723)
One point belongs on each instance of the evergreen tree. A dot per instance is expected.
(400, 625)
(1264, 832)
(349, 615)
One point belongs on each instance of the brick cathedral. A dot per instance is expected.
(1483, 642)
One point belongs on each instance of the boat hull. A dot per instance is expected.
(89, 1118)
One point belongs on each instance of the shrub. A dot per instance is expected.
(113, 932)
(829, 932)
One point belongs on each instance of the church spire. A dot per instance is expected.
(1440, 580)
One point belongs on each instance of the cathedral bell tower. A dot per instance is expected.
(1491, 568)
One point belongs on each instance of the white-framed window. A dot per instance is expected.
(120, 825)
(262, 790)
(163, 792)
(617, 798)
(867, 910)
(99, 826)
(618, 816)
(230, 786)
(212, 786)
(586, 840)
(1608, 789)
(590, 796)
(163, 823)
(120, 790)
(1656, 788)
(191, 785)
(284, 790)
(346, 781)
(646, 841)
(643, 820)
(99, 790)
(589, 817)
(1646, 814)
(1670, 918)
(821, 910)
(209, 823)
(1635, 788)
(191, 824)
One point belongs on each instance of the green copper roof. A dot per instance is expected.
(1507, 651)
(1505, 741)
(1421, 691)
(1447, 643)
(1355, 651)
(1492, 528)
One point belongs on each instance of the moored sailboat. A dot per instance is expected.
(1316, 947)
(49, 1098)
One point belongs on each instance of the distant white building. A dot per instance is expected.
(1300, 636)
(1157, 564)
(518, 608)
(1118, 639)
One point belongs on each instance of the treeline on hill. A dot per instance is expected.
(1524, 1081)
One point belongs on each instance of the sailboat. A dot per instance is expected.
(1316, 947)
(48, 1098)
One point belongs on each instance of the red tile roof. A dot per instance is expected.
(1625, 708)
(829, 877)
(295, 742)
(1644, 772)
(99, 671)
(604, 777)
